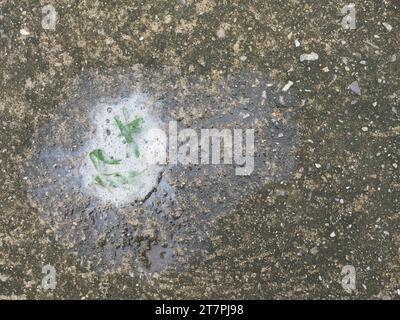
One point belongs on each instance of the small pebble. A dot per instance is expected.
(24, 32)
(355, 87)
(287, 86)
(387, 26)
(309, 57)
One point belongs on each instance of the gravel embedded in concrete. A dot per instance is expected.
(328, 203)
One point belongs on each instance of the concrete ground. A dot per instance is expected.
(295, 237)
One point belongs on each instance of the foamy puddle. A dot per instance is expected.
(164, 215)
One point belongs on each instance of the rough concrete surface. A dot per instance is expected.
(324, 197)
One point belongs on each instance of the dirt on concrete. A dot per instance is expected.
(329, 199)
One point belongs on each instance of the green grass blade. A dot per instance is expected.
(123, 130)
(127, 131)
(97, 157)
(135, 126)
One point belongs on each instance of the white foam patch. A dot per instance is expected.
(151, 143)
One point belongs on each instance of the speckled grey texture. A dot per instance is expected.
(285, 238)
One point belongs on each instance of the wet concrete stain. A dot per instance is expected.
(276, 243)
(173, 225)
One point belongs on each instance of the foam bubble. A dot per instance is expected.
(148, 165)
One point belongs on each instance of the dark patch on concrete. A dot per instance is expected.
(173, 226)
